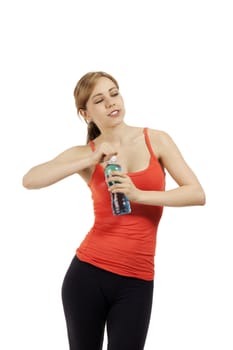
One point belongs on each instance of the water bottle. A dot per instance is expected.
(120, 203)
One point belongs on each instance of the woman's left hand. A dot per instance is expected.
(123, 183)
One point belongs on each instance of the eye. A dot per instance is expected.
(115, 93)
(99, 101)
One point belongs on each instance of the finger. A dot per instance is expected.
(117, 189)
(117, 173)
(116, 178)
(108, 156)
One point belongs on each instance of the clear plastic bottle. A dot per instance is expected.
(120, 203)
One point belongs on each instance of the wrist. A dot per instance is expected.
(137, 197)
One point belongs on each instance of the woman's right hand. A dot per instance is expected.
(104, 152)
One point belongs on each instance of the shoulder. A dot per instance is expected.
(166, 147)
(157, 134)
(159, 140)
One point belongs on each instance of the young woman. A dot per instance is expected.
(110, 279)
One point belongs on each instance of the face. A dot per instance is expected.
(105, 106)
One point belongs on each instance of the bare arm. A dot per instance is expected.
(65, 164)
(75, 160)
(189, 190)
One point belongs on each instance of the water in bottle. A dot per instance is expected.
(120, 203)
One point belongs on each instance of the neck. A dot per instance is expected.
(116, 134)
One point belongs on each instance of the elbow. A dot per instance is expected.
(201, 197)
(27, 183)
(202, 200)
(196, 196)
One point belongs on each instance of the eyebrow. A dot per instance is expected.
(100, 94)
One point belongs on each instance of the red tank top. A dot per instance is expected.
(124, 244)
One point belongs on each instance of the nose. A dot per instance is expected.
(109, 103)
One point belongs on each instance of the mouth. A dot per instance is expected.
(114, 113)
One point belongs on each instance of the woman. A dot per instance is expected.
(110, 279)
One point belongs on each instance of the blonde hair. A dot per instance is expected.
(82, 93)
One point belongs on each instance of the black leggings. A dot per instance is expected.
(93, 298)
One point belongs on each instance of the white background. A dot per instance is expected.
(173, 61)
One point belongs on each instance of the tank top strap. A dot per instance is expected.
(92, 145)
(148, 143)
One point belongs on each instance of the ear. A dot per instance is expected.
(85, 115)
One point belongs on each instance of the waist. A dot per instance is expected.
(129, 252)
(122, 265)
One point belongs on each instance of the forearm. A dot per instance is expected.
(46, 174)
(186, 195)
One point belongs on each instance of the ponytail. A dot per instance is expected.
(92, 131)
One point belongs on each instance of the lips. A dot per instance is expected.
(113, 113)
